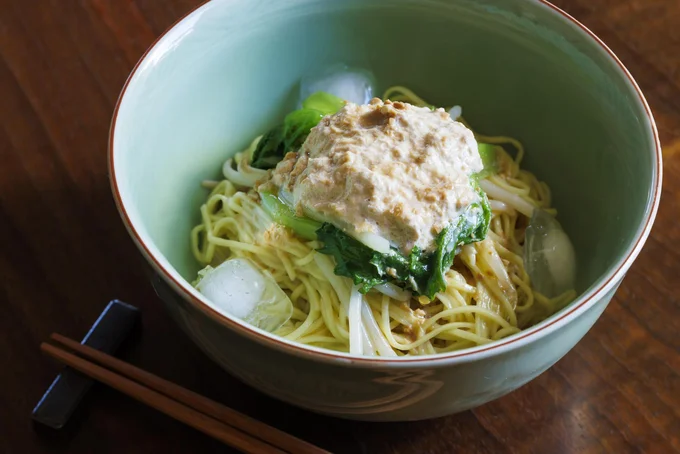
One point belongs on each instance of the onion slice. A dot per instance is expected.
(515, 201)
(356, 346)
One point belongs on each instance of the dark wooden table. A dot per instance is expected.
(64, 253)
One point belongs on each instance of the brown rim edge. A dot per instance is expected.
(299, 349)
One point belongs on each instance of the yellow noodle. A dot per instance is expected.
(233, 224)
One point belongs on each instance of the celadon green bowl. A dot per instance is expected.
(230, 70)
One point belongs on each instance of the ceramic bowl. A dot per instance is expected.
(230, 70)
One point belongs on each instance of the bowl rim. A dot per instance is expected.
(587, 300)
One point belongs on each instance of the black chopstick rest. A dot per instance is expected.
(60, 400)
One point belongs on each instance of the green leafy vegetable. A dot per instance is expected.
(366, 267)
(471, 226)
(325, 103)
(270, 149)
(284, 138)
(488, 154)
(284, 215)
(295, 128)
(421, 272)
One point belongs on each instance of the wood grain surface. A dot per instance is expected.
(64, 253)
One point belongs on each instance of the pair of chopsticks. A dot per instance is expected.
(220, 422)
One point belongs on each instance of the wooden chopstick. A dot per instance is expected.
(193, 409)
(200, 403)
(193, 418)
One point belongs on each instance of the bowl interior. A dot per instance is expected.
(231, 70)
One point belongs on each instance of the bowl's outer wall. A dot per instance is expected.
(379, 393)
(229, 71)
